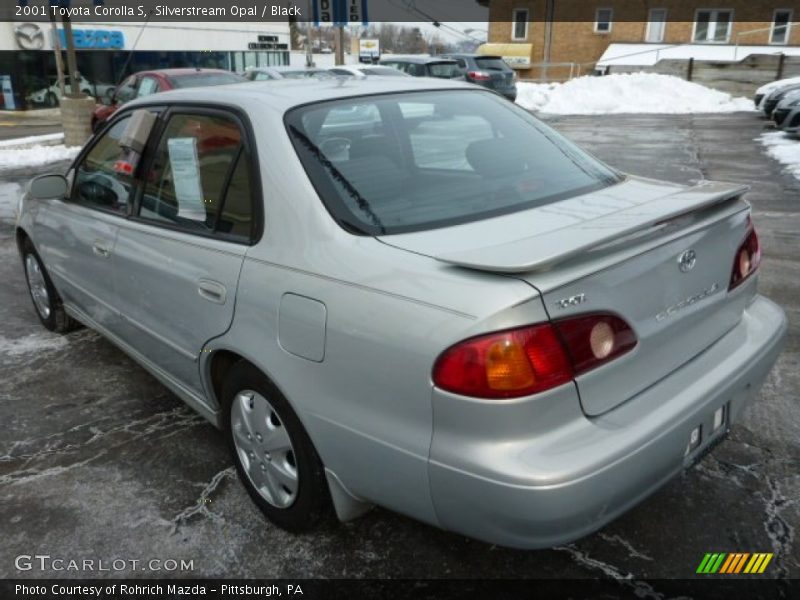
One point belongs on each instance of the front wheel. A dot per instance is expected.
(274, 456)
(45, 298)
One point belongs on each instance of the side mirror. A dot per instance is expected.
(48, 186)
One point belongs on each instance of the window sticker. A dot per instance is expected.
(186, 178)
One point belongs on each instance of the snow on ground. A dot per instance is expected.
(784, 149)
(34, 342)
(35, 156)
(627, 93)
(9, 200)
(34, 140)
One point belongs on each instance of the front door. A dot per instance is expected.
(77, 235)
(180, 254)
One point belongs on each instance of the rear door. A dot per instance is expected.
(179, 256)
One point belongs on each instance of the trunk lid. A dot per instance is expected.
(619, 251)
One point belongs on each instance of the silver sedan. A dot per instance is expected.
(409, 293)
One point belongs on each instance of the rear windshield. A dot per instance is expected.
(204, 79)
(447, 70)
(493, 63)
(422, 160)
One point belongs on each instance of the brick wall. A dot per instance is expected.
(574, 38)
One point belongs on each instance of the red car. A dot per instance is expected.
(145, 83)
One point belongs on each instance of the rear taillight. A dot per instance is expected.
(532, 359)
(747, 259)
(479, 75)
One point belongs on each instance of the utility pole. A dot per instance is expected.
(72, 61)
(59, 57)
(339, 42)
(76, 107)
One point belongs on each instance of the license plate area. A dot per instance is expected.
(705, 436)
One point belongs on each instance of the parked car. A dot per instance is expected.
(791, 123)
(465, 319)
(425, 66)
(765, 90)
(784, 107)
(49, 96)
(770, 102)
(146, 83)
(362, 71)
(285, 72)
(489, 71)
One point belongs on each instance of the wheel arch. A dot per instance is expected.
(346, 505)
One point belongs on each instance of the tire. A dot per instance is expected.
(46, 301)
(258, 422)
(51, 100)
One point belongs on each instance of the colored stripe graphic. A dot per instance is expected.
(734, 563)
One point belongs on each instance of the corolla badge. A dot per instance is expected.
(687, 260)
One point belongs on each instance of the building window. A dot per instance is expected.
(520, 24)
(781, 25)
(713, 26)
(656, 23)
(603, 19)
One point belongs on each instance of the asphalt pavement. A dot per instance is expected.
(98, 460)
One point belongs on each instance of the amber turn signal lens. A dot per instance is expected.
(507, 367)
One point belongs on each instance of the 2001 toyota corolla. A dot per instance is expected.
(412, 294)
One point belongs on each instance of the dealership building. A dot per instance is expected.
(106, 52)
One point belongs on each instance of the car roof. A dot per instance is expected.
(416, 59)
(284, 94)
(180, 72)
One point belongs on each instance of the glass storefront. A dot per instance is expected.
(32, 73)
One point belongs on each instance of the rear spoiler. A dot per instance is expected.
(542, 252)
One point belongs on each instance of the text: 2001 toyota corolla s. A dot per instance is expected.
(411, 294)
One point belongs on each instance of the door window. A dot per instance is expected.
(148, 85)
(101, 179)
(199, 166)
(127, 91)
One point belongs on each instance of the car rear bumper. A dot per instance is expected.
(558, 475)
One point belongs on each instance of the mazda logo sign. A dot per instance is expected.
(687, 260)
(29, 36)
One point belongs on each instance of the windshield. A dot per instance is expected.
(423, 160)
(204, 79)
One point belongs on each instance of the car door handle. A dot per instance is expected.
(101, 249)
(212, 291)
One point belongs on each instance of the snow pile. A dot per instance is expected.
(627, 93)
(35, 156)
(783, 149)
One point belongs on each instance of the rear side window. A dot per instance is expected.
(101, 181)
(444, 70)
(417, 161)
(199, 178)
